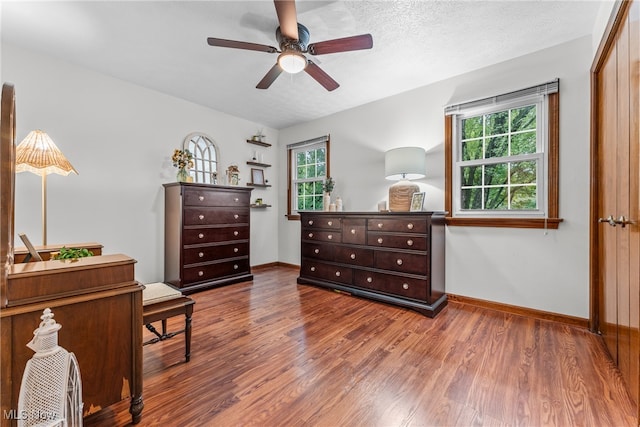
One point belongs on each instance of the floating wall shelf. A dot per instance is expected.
(262, 165)
(260, 143)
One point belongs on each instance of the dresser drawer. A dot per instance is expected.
(318, 251)
(193, 236)
(317, 222)
(321, 235)
(354, 231)
(215, 271)
(401, 241)
(406, 225)
(211, 215)
(212, 253)
(357, 256)
(401, 262)
(319, 270)
(406, 287)
(206, 197)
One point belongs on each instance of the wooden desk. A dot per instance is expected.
(99, 305)
(20, 253)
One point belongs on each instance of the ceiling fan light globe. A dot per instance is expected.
(292, 62)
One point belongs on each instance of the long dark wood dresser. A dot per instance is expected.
(397, 258)
(206, 235)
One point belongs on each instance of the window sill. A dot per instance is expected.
(542, 223)
(292, 217)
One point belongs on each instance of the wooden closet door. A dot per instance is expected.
(616, 197)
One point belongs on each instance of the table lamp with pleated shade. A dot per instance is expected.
(38, 154)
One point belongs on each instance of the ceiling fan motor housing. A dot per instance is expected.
(299, 45)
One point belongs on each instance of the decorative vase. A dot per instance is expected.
(182, 175)
(326, 201)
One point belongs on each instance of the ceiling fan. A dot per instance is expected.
(293, 39)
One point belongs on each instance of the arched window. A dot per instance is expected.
(205, 158)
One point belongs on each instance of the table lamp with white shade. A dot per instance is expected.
(402, 165)
(38, 154)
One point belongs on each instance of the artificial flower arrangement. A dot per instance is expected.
(182, 159)
(327, 187)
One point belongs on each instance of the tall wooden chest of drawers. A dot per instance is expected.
(397, 258)
(206, 235)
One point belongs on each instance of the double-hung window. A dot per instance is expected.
(308, 168)
(502, 159)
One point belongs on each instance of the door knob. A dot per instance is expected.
(623, 221)
(610, 220)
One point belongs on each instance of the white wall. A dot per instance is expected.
(120, 138)
(602, 19)
(530, 268)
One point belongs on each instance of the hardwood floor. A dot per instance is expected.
(273, 353)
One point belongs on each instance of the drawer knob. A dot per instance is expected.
(405, 286)
(353, 231)
(310, 222)
(379, 225)
(235, 216)
(316, 251)
(312, 269)
(201, 198)
(353, 256)
(200, 254)
(330, 236)
(410, 242)
(330, 223)
(200, 236)
(399, 262)
(235, 233)
(380, 240)
(236, 200)
(369, 279)
(235, 249)
(337, 274)
(201, 217)
(310, 235)
(410, 226)
(235, 266)
(200, 273)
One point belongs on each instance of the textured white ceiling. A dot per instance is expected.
(162, 45)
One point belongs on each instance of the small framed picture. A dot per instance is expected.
(257, 176)
(417, 201)
(33, 254)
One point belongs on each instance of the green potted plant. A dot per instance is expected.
(71, 254)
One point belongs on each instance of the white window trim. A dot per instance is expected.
(320, 142)
(542, 143)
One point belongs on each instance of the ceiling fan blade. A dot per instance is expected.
(240, 45)
(286, 10)
(320, 76)
(270, 77)
(363, 41)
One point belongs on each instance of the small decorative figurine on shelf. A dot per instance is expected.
(214, 177)
(183, 160)
(258, 201)
(258, 136)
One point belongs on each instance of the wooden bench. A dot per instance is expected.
(161, 302)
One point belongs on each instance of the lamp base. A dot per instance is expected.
(400, 195)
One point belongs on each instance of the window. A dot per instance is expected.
(308, 168)
(502, 160)
(205, 158)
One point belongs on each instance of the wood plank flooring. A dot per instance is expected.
(273, 353)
